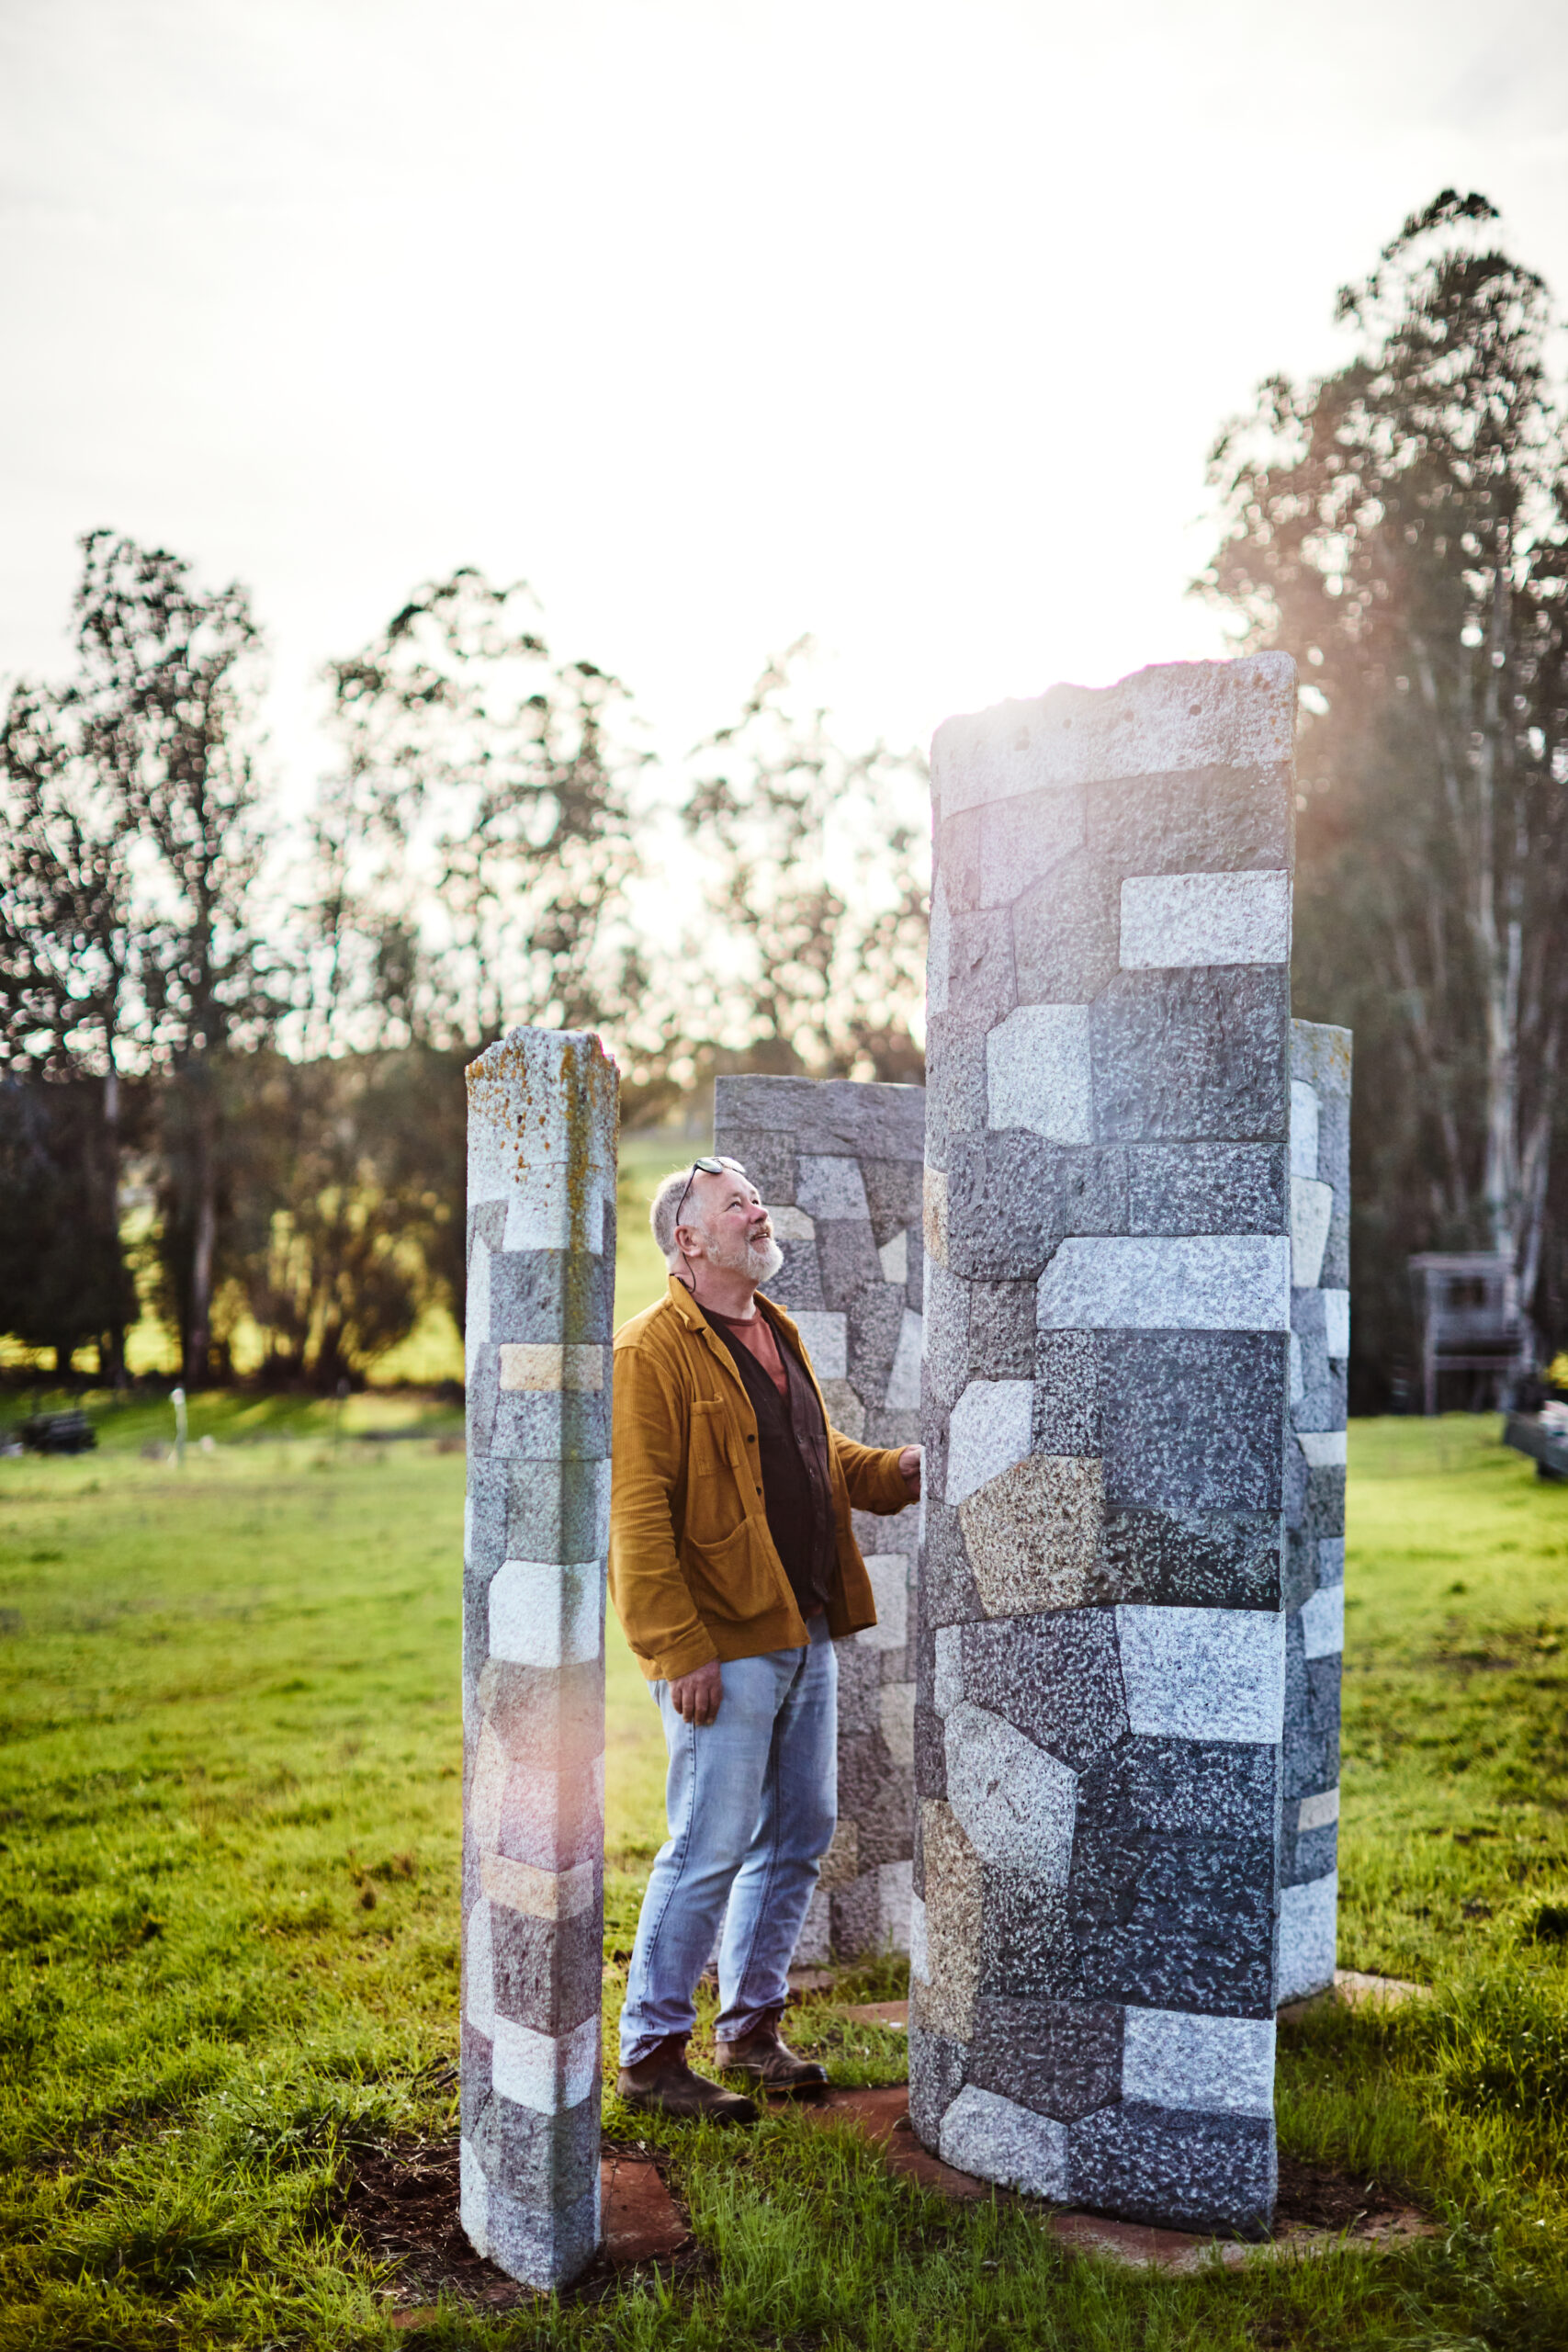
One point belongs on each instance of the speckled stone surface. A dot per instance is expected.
(1106, 1675)
(1315, 1513)
(839, 1164)
(541, 1249)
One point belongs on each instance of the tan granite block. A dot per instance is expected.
(550, 1364)
(953, 1923)
(1033, 1534)
(934, 1219)
(841, 1864)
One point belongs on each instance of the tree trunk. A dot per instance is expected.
(204, 1241)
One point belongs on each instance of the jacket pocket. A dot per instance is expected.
(730, 1579)
(706, 1453)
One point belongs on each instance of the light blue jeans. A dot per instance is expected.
(751, 1800)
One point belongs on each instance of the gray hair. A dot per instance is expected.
(666, 1200)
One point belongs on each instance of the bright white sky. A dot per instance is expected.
(717, 320)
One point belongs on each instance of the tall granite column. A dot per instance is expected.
(542, 1118)
(1314, 1503)
(1100, 1661)
(839, 1165)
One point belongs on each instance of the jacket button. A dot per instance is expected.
(750, 1440)
(759, 1490)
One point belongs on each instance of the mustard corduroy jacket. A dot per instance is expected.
(693, 1572)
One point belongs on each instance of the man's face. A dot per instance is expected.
(725, 1212)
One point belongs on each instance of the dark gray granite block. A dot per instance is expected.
(1066, 1393)
(551, 1425)
(1322, 1510)
(945, 1365)
(936, 2076)
(1193, 1559)
(1207, 1188)
(1313, 1853)
(948, 1594)
(1058, 1678)
(839, 1117)
(1173, 1924)
(893, 1189)
(1001, 1331)
(931, 1754)
(1026, 1948)
(980, 988)
(1182, 2170)
(548, 1973)
(1312, 1718)
(1065, 934)
(1193, 1421)
(536, 2157)
(859, 1688)
(1195, 1053)
(1208, 1790)
(955, 1095)
(769, 1160)
(1013, 1198)
(847, 1262)
(877, 1797)
(541, 1296)
(1060, 2058)
(876, 1321)
(1201, 820)
(798, 1285)
(535, 2242)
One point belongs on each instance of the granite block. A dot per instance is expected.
(893, 1186)
(543, 1615)
(1184, 2171)
(1196, 1054)
(1065, 934)
(846, 1263)
(980, 987)
(548, 2072)
(1230, 816)
(1161, 1283)
(991, 1429)
(1323, 1621)
(1197, 1559)
(1186, 1925)
(1213, 1673)
(945, 1929)
(1056, 1679)
(998, 2140)
(1184, 1790)
(946, 1333)
(549, 1295)
(1013, 1801)
(1215, 2064)
(860, 1687)
(548, 1971)
(1066, 1390)
(1024, 839)
(1207, 1188)
(769, 1158)
(1308, 1930)
(542, 1715)
(551, 1426)
(1060, 2058)
(542, 2246)
(878, 1798)
(1304, 1117)
(1026, 1949)
(1001, 1333)
(554, 1510)
(936, 2073)
(1312, 1208)
(1193, 1421)
(1013, 1198)
(947, 1588)
(1032, 1535)
(1314, 1854)
(1037, 1073)
(956, 1090)
(1171, 919)
(831, 1186)
(931, 1754)
(798, 1285)
(822, 1115)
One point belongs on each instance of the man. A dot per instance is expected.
(732, 1566)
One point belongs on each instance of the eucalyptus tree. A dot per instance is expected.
(1401, 526)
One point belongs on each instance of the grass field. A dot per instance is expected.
(230, 1810)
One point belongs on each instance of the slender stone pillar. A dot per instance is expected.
(1100, 1662)
(1314, 1503)
(542, 1117)
(839, 1165)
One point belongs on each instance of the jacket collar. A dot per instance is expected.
(692, 1315)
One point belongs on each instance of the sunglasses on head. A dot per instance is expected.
(706, 1168)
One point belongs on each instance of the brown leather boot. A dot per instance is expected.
(665, 2084)
(766, 2056)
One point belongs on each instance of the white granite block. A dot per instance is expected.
(995, 2138)
(487, 1788)
(889, 1575)
(473, 2199)
(1317, 1811)
(1171, 921)
(1202, 1673)
(1216, 2064)
(1337, 1323)
(896, 1712)
(1016, 1803)
(538, 1894)
(1231, 1282)
(1308, 1933)
(543, 1615)
(939, 949)
(827, 1341)
(545, 1365)
(478, 1968)
(894, 1893)
(1173, 718)
(544, 2070)
(792, 1225)
(1298, 1378)
(476, 1310)
(550, 1207)
(1019, 846)
(894, 1258)
(1311, 1213)
(830, 1187)
(947, 1680)
(1331, 1559)
(990, 1430)
(1325, 1449)
(903, 1380)
(1303, 1128)
(1322, 1621)
(1037, 1073)
(919, 1947)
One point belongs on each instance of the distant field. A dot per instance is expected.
(229, 1792)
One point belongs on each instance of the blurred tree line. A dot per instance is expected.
(269, 1048)
(274, 1045)
(1401, 526)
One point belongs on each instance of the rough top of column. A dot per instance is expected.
(540, 1095)
(1178, 714)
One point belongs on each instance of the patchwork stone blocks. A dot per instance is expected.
(1315, 1516)
(841, 1168)
(1107, 1676)
(542, 1117)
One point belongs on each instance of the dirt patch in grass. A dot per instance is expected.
(1316, 2197)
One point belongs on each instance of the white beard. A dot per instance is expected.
(757, 1261)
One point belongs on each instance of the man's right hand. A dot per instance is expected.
(695, 1696)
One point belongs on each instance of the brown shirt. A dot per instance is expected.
(792, 1443)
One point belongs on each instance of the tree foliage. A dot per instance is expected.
(1401, 526)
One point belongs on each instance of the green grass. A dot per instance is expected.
(229, 1800)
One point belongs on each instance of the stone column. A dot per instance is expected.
(839, 1166)
(1101, 1657)
(542, 1117)
(1314, 1503)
